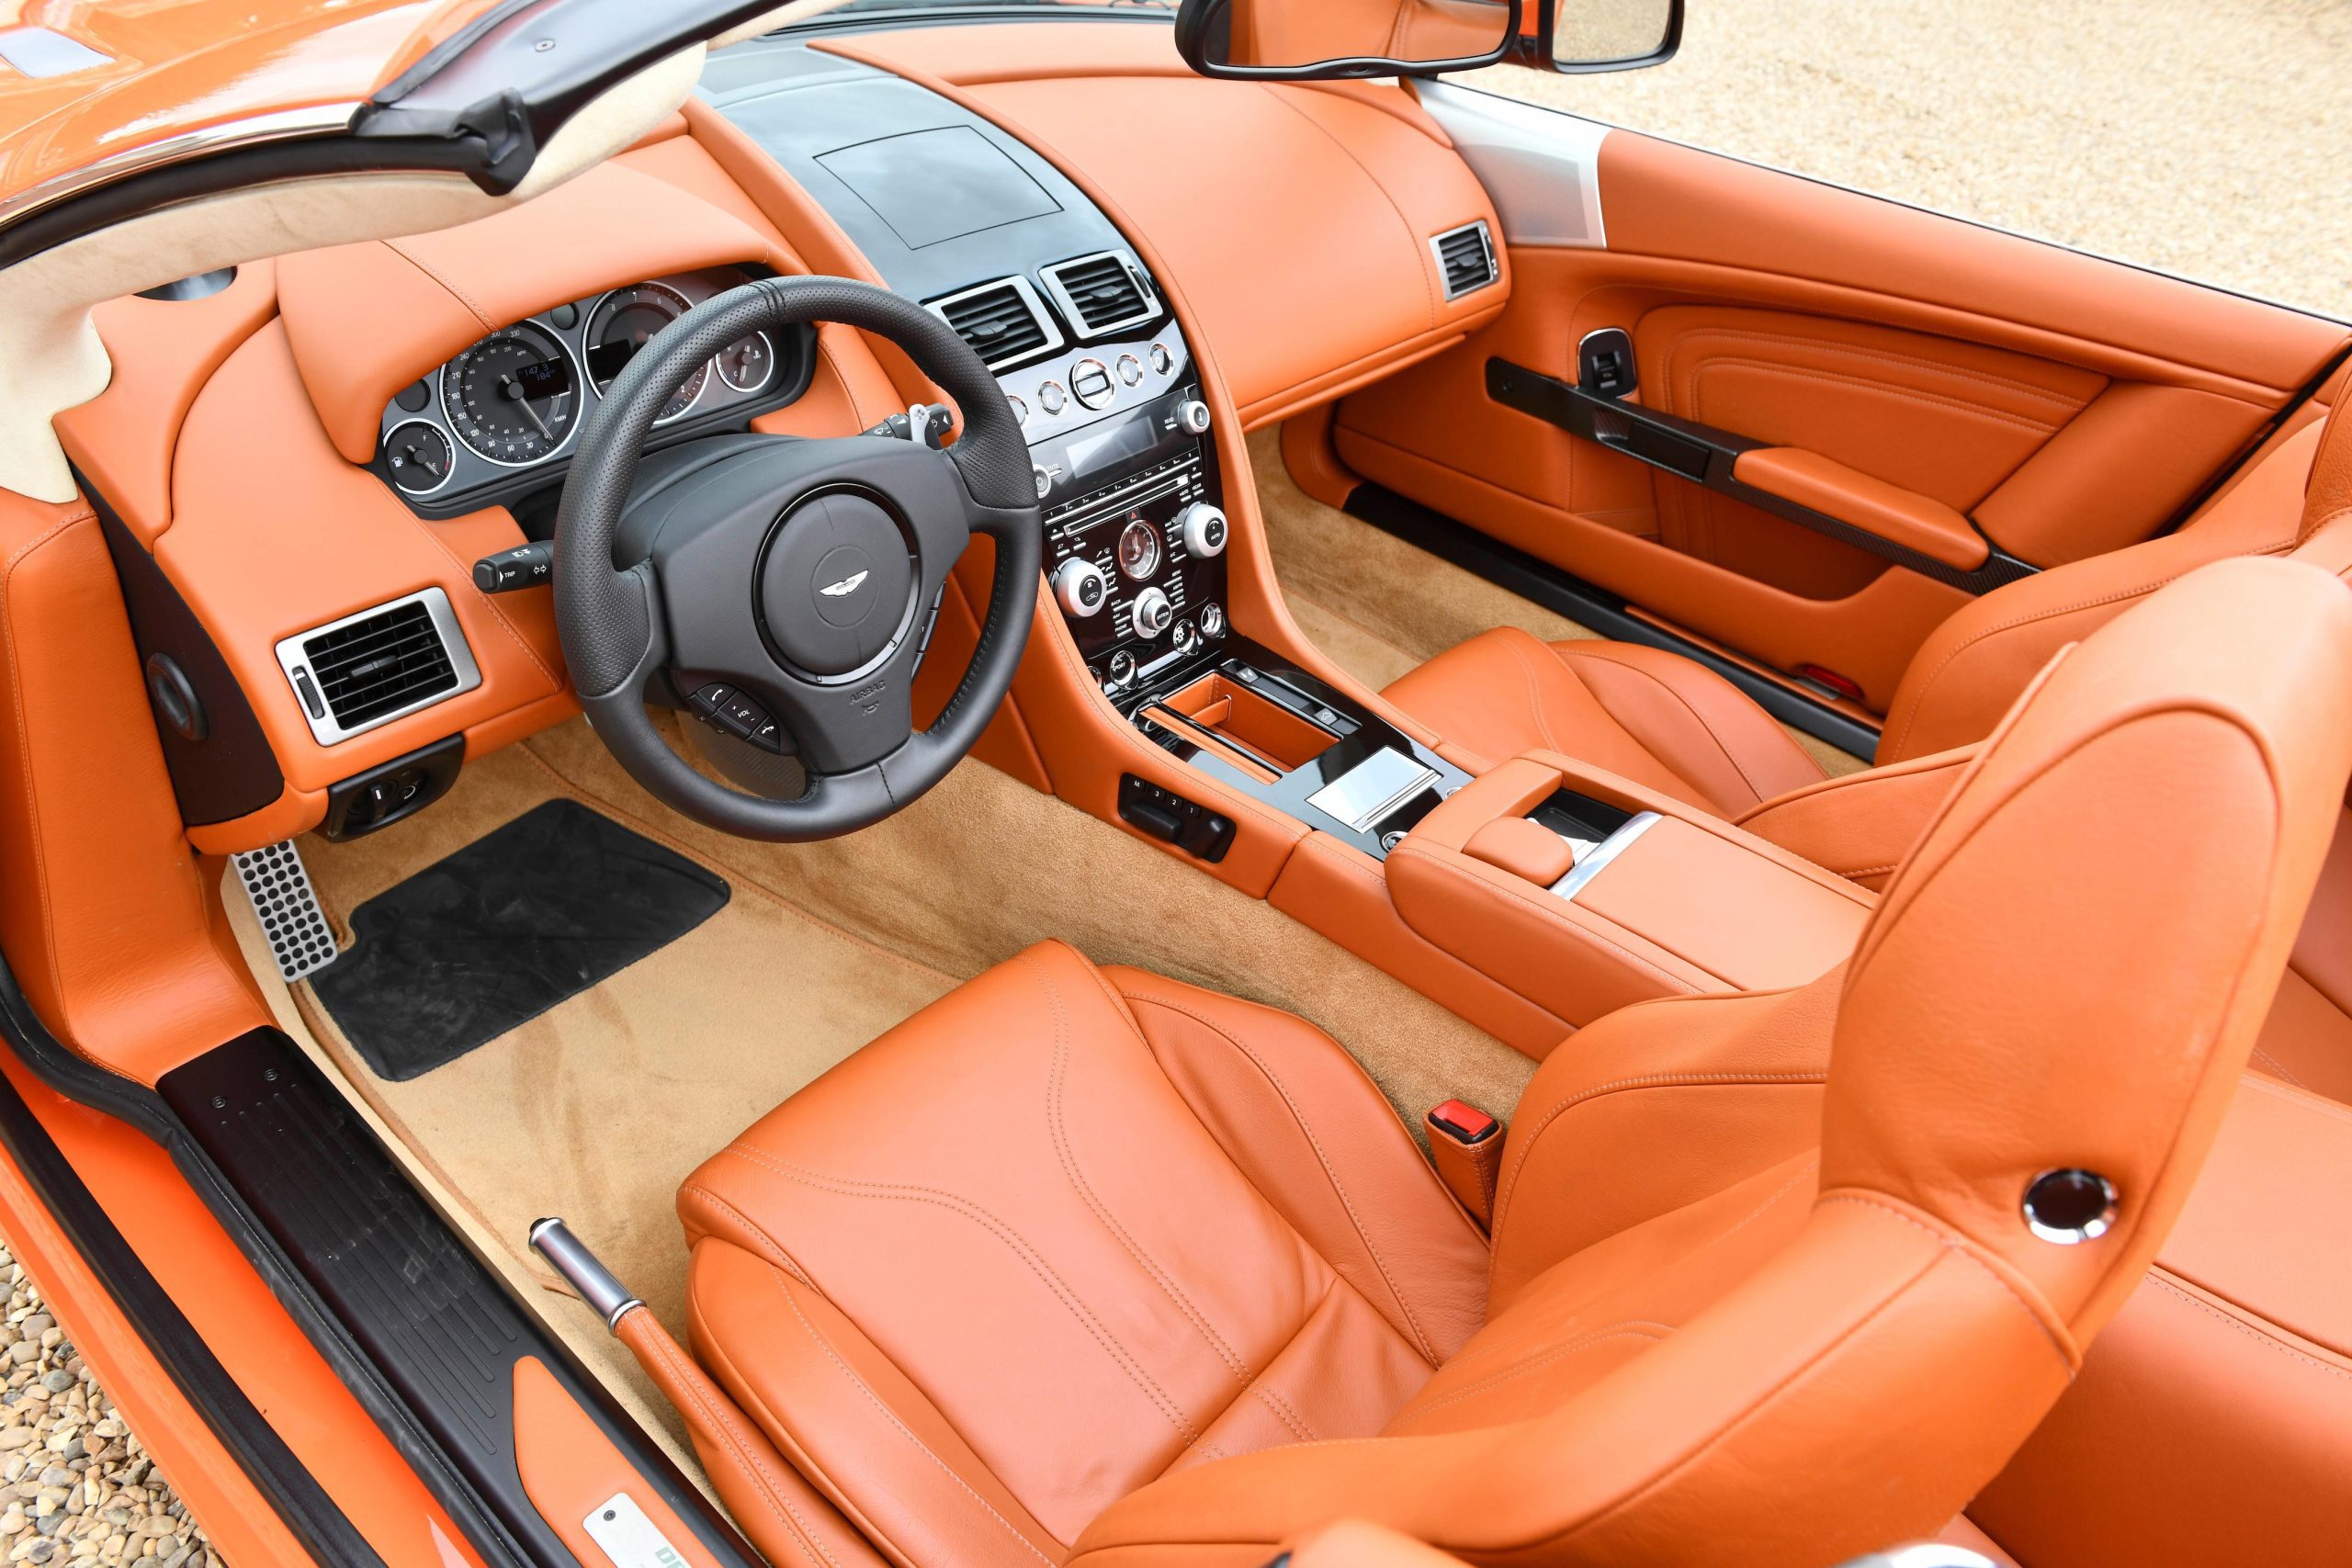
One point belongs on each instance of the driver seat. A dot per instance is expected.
(1088, 1264)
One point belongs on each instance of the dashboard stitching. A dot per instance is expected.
(1429, 290)
(450, 289)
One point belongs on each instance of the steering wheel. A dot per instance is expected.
(791, 580)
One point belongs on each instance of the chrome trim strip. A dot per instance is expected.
(1610, 848)
(1486, 243)
(1541, 166)
(328, 731)
(1343, 800)
(284, 125)
(1035, 306)
(1090, 329)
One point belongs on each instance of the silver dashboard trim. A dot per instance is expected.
(1091, 330)
(282, 125)
(1373, 788)
(1036, 307)
(1541, 166)
(1607, 850)
(293, 657)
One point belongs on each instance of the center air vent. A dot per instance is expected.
(372, 667)
(1466, 256)
(1102, 293)
(1004, 322)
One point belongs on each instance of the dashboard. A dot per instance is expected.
(502, 418)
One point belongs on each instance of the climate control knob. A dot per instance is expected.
(1205, 530)
(1151, 614)
(1193, 417)
(1081, 587)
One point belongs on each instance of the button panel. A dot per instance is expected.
(731, 712)
(1164, 814)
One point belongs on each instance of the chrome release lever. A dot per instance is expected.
(570, 1256)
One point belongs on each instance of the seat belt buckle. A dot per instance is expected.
(1466, 1146)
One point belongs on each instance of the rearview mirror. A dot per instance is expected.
(1299, 41)
(1309, 40)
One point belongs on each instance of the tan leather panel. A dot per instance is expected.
(1361, 195)
(162, 353)
(1523, 849)
(447, 289)
(1655, 717)
(1889, 512)
(1861, 825)
(1158, 1299)
(569, 1468)
(103, 909)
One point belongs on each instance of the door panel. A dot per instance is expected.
(2067, 405)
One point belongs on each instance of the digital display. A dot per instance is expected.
(544, 379)
(607, 360)
(1130, 438)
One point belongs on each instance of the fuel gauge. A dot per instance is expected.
(746, 363)
(418, 456)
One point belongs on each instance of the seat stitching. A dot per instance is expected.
(1535, 695)
(1631, 1328)
(781, 1259)
(756, 1468)
(1331, 1175)
(1647, 1080)
(2277, 1067)
(1667, 686)
(1055, 1083)
(2031, 617)
(2246, 1328)
(1559, 915)
(1283, 1412)
(1013, 1241)
(1952, 1244)
(2304, 531)
(905, 1431)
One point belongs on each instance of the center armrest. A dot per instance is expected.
(1655, 898)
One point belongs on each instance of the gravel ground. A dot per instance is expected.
(2206, 138)
(75, 1487)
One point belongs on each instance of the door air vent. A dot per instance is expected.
(353, 675)
(1102, 293)
(1004, 322)
(1466, 256)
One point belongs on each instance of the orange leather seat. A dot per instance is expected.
(1090, 1265)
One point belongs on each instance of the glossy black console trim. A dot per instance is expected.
(1705, 455)
(301, 1504)
(1546, 584)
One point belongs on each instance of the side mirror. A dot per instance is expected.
(1608, 35)
(1300, 40)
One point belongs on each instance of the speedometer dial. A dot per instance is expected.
(513, 396)
(624, 321)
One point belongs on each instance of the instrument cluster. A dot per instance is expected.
(502, 418)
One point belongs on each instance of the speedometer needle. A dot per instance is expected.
(512, 392)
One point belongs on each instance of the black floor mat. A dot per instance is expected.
(504, 929)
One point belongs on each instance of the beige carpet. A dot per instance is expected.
(1379, 606)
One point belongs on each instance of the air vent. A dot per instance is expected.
(372, 667)
(1466, 256)
(1004, 322)
(1102, 293)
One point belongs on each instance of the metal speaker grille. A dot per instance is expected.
(300, 937)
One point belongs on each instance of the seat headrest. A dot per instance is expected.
(2069, 970)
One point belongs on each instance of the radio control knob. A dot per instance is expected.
(1186, 638)
(1212, 620)
(1205, 530)
(1193, 417)
(1081, 587)
(1151, 614)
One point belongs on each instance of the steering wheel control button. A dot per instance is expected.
(1151, 614)
(1090, 383)
(739, 715)
(837, 585)
(1205, 530)
(2070, 1206)
(1080, 587)
(768, 736)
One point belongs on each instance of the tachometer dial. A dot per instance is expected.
(747, 363)
(1139, 549)
(624, 321)
(513, 396)
(418, 456)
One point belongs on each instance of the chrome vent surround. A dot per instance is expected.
(1004, 322)
(366, 669)
(1102, 293)
(1466, 257)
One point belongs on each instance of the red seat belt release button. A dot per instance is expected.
(1464, 1124)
